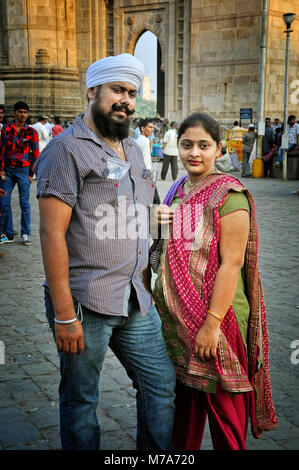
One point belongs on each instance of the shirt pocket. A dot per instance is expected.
(99, 190)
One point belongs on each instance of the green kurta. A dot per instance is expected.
(234, 201)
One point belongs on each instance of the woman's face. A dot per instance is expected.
(198, 152)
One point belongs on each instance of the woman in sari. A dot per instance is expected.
(209, 296)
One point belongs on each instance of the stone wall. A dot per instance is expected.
(39, 56)
(224, 63)
(209, 52)
(275, 71)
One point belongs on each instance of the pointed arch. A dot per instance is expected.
(158, 76)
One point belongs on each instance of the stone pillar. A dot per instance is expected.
(41, 64)
(275, 67)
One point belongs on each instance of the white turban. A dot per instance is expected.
(119, 68)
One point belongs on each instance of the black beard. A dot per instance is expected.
(109, 127)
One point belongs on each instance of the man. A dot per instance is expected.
(2, 194)
(267, 147)
(42, 132)
(2, 118)
(147, 128)
(170, 151)
(268, 121)
(293, 139)
(248, 142)
(235, 131)
(48, 126)
(56, 129)
(19, 150)
(276, 124)
(91, 182)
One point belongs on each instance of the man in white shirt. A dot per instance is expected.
(48, 125)
(146, 130)
(43, 135)
(170, 151)
(293, 139)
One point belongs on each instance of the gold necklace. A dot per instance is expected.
(117, 146)
(190, 185)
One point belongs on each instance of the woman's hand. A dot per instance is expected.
(207, 338)
(163, 214)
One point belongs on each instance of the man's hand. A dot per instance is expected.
(2, 192)
(30, 179)
(2, 175)
(146, 279)
(69, 338)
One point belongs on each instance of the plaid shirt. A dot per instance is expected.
(18, 149)
(292, 133)
(81, 169)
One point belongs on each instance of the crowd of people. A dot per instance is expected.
(271, 144)
(196, 343)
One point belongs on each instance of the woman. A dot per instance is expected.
(210, 299)
(248, 143)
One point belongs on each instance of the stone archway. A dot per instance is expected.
(169, 22)
(160, 74)
(155, 21)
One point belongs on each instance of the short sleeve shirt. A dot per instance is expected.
(107, 237)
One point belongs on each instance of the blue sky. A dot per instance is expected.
(146, 51)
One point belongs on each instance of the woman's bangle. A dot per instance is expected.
(65, 322)
(216, 315)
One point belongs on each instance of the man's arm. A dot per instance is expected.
(2, 172)
(34, 152)
(54, 221)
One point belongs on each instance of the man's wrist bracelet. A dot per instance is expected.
(65, 322)
(216, 315)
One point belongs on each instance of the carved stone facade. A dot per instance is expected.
(208, 53)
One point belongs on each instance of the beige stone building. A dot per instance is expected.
(147, 92)
(208, 52)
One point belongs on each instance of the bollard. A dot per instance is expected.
(258, 168)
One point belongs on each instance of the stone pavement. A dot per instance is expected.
(29, 417)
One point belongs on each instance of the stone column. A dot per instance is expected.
(41, 66)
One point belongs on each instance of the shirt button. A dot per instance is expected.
(140, 252)
(106, 172)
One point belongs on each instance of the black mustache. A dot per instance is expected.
(124, 108)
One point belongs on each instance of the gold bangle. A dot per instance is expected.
(216, 315)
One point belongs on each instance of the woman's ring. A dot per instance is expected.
(207, 351)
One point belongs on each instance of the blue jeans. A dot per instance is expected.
(138, 343)
(19, 176)
(280, 152)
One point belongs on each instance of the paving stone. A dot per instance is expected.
(29, 379)
(13, 434)
(12, 414)
(46, 416)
